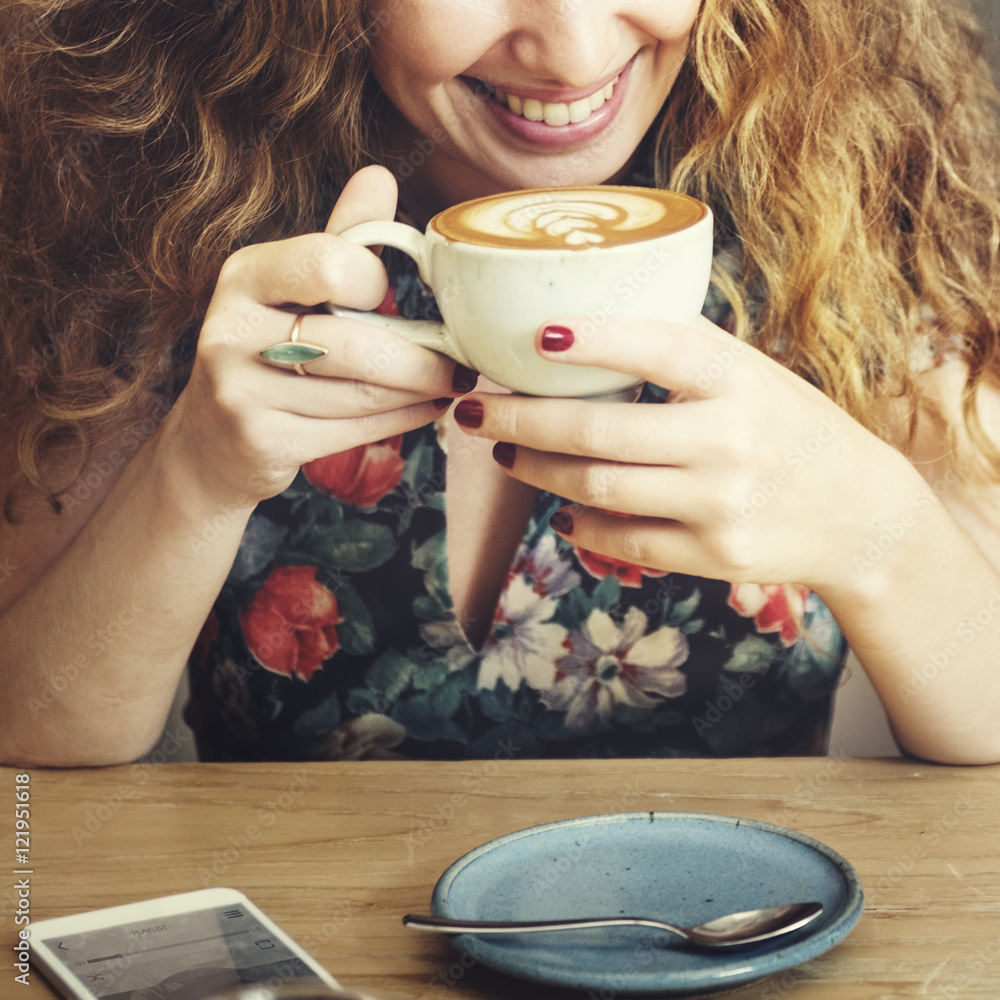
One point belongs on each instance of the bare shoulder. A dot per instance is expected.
(974, 502)
(38, 533)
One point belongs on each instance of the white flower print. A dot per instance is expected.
(609, 665)
(545, 569)
(523, 644)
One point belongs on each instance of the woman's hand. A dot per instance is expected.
(244, 427)
(747, 473)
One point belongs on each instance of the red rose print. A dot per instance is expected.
(388, 306)
(773, 607)
(362, 475)
(628, 574)
(291, 626)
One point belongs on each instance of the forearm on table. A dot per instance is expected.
(923, 618)
(93, 651)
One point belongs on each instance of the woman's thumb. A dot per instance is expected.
(368, 196)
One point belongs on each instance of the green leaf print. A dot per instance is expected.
(431, 559)
(607, 593)
(752, 655)
(390, 674)
(355, 546)
(683, 610)
(357, 631)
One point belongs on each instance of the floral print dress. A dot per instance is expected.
(335, 635)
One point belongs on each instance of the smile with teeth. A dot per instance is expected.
(555, 114)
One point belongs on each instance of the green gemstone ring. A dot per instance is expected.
(293, 353)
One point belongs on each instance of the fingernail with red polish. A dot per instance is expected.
(469, 413)
(504, 453)
(464, 379)
(562, 522)
(557, 338)
(443, 402)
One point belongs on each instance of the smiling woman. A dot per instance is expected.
(352, 565)
(553, 97)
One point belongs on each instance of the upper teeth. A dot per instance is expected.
(556, 114)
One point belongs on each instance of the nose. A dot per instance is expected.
(568, 43)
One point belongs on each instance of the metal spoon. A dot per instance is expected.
(733, 929)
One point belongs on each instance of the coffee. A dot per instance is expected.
(504, 265)
(571, 218)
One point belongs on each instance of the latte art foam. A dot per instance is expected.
(571, 218)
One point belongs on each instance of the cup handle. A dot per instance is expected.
(424, 333)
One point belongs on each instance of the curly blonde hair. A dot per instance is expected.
(852, 146)
(140, 144)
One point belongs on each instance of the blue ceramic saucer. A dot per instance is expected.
(685, 868)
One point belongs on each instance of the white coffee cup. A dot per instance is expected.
(503, 265)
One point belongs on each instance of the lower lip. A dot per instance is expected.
(563, 136)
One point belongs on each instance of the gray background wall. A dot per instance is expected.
(988, 12)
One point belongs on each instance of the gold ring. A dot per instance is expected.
(294, 353)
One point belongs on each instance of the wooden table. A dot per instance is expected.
(336, 853)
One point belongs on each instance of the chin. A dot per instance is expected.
(563, 174)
